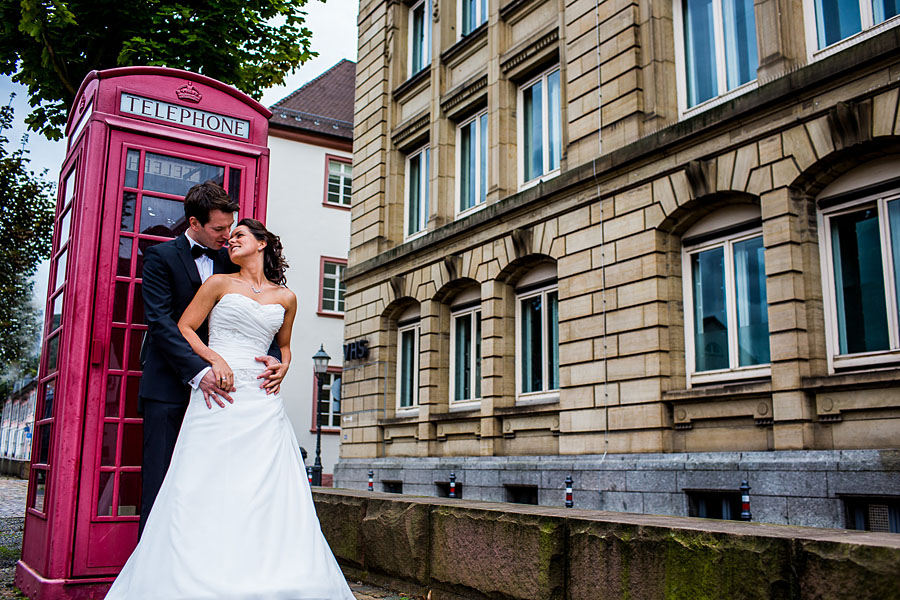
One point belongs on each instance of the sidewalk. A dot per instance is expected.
(12, 509)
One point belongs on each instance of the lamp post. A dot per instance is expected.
(320, 364)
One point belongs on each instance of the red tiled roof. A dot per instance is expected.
(324, 105)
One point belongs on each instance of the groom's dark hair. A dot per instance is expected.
(206, 197)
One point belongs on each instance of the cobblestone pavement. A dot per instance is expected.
(12, 509)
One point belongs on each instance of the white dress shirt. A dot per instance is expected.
(205, 268)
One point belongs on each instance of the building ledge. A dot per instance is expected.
(730, 390)
(853, 381)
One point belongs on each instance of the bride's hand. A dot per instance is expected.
(273, 375)
(223, 374)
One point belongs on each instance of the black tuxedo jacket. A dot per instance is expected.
(170, 281)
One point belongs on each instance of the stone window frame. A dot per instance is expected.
(413, 6)
(868, 29)
(836, 361)
(424, 150)
(520, 126)
(458, 175)
(473, 309)
(684, 111)
(546, 395)
(460, 34)
(416, 328)
(725, 238)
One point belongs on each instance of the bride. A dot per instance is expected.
(234, 518)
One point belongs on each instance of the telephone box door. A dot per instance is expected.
(143, 206)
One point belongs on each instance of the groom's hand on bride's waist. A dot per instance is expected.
(212, 392)
(273, 375)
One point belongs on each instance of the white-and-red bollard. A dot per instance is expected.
(371, 481)
(745, 501)
(309, 475)
(569, 502)
(452, 484)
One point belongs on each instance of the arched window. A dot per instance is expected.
(859, 227)
(537, 335)
(726, 314)
(465, 347)
(408, 359)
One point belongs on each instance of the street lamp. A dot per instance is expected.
(320, 365)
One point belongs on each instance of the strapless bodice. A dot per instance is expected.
(240, 329)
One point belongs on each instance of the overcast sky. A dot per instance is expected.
(334, 37)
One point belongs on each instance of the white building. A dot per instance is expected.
(310, 174)
(16, 427)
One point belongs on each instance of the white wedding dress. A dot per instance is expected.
(234, 518)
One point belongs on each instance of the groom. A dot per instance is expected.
(173, 272)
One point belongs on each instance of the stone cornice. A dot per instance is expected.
(408, 129)
(530, 50)
(405, 88)
(510, 9)
(478, 35)
(463, 92)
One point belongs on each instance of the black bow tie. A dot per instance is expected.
(197, 251)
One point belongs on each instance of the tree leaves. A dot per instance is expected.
(51, 45)
(26, 225)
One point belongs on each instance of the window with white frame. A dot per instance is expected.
(329, 407)
(471, 14)
(419, 36)
(408, 365)
(333, 287)
(537, 329)
(831, 21)
(726, 312)
(539, 130)
(717, 50)
(465, 354)
(340, 182)
(416, 206)
(471, 180)
(862, 265)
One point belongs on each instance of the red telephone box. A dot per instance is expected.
(139, 138)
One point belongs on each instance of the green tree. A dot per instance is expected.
(26, 225)
(51, 45)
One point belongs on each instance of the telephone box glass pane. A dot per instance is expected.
(105, 494)
(176, 176)
(43, 438)
(134, 351)
(61, 261)
(162, 217)
(129, 200)
(234, 184)
(123, 269)
(113, 387)
(143, 244)
(120, 302)
(53, 353)
(129, 494)
(65, 227)
(49, 393)
(108, 449)
(132, 444)
(131, 397)
(137, 305)
(132, 161)
(117, 349)
(40, 490)
(56, 309)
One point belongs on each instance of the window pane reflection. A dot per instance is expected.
(407, 367)
(129, 494)
(49, 392)
(176, 176)
(61, 263)
(123, 268)
(105, 494)
(56, 310)
(710, 320)
(859, 282)
(532, 344)
(463, 357)
(699, 51)
(554, 115)
(885, 9)
(162, 217)
(53, 353)
(40, 490)
(113, 390)
(109, 444)
(752, 310)
(739, 24)
(894, 221)
(65, 227)
(117, 349)
(129, 201)
(553, 340)
(533, 132)
(132, 162)
(836, 20)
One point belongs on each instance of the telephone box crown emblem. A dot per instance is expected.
(189, 93)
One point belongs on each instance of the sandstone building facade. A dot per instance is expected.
(654, 245)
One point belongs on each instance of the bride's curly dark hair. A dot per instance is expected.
(274, 263)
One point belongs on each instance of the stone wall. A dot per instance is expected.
(803, 488)
(460, 549)
(16, 468)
